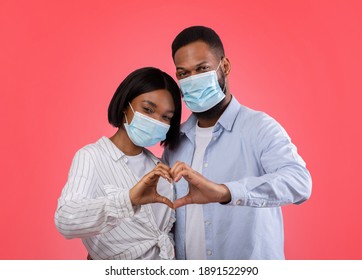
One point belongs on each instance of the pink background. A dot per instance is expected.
(61, 61)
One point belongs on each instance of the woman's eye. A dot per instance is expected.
(167, 118)
(148, 110)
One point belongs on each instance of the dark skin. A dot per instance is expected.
(191, 59)
(158, 105)
(196, 58)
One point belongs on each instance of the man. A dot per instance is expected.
(234, 167)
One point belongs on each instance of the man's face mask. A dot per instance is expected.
(201, 92)
(145, 131)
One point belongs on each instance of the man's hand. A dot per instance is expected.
(145, 191)
(201, 190)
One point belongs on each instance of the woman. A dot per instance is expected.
(118, 195)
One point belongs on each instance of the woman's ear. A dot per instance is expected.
(125, 118)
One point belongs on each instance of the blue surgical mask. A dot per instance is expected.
(145, 131)
(201, 92)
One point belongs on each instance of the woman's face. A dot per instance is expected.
(157, 104)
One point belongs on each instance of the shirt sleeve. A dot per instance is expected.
(286, 179)
(80, 213)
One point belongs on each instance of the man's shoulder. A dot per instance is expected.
(188, 124)
(252, 117)
(260, 122)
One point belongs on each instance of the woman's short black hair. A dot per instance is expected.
(141, 81)
(198, 33)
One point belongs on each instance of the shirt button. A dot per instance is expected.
(214, 138)
(206, 164)
(238, 202)
(209, 253)
(207, 223)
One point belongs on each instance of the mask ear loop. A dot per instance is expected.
(218, 65)
(125, 113)
(223, 90)
(126, 118)
(131, 106)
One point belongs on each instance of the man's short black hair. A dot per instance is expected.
(141, 81)
(198, 33)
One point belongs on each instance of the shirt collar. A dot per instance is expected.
(226, 120)
(111, 149)
(189, 124)
(116, 154)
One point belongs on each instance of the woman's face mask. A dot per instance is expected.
(145, 131)
(201, 92)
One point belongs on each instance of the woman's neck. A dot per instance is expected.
(122, 142)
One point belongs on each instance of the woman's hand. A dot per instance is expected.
(201, 190)
(145, 191)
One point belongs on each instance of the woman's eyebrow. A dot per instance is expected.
(149, 102)
(155, 106)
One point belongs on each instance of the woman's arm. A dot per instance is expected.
(80, 213)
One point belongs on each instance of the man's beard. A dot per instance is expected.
(217, 110)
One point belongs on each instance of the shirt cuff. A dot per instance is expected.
(124, 205)
(238, 194)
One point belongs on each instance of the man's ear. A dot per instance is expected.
(226, 66)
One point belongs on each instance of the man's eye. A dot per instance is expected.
(204, 68)
(181, 74)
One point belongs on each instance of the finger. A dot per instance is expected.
(165, 170)
(175, 166)
(182, 202)
(164, 166)
(185, 173)
(165, 174)
(164, 200)
(177, 169)
(154, 175)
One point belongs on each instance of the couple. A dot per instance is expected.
(228, 167)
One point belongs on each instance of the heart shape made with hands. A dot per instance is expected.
(201, 190)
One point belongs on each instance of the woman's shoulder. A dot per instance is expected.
(93, 149)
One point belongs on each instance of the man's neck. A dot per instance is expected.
(207, 121)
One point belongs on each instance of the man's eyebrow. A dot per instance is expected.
(203, 62)
(197, 65)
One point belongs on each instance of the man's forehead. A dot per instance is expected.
(193, 54)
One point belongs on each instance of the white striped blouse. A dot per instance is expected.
(95, 206)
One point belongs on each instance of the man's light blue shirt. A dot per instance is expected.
(253, 156)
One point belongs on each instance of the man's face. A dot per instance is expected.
(195, 58)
